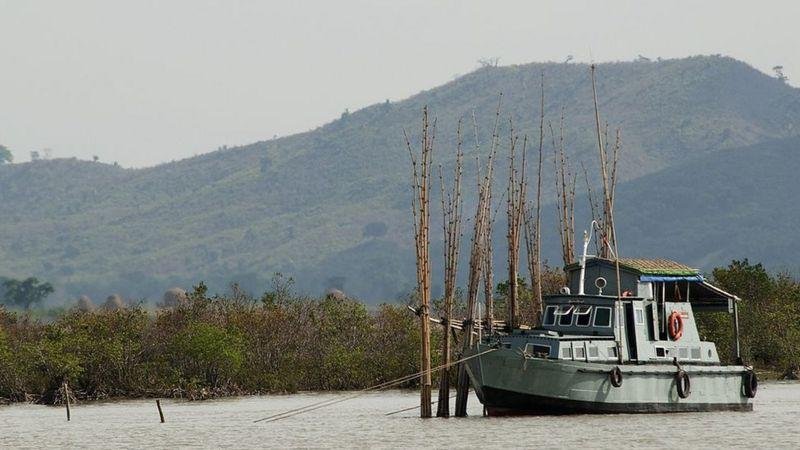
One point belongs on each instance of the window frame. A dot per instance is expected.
(569, 314)
(553, 308)
(610, 317)
(563, 310)
(578, 315)
(638, 315)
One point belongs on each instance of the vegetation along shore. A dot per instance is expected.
(203, 346)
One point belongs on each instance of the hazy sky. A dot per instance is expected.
(143, 82)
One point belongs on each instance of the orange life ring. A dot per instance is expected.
(675, 325)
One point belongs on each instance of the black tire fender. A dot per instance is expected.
(615, 376)
(684, 384)
(750, 381)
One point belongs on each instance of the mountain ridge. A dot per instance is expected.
(301, 204)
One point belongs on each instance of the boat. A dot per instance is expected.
(627, 343)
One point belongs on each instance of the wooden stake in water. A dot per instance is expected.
(65, 389)
(160, 413)
(420, 207)
(477, 260)
(451, 229)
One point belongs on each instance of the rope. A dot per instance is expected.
(415, 407)
(378, 387)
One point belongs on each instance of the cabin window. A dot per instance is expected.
(593, 352)
(579, 353)
(541, 350)
(602, 317)
(660, 353)
(612, 352)
(549, 316)
(564, 309)
(695, 352)
(583, 315)
(639, 316)
(566, 319)
(683, 353)
(566, 352)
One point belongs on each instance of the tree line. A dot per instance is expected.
(202, 346)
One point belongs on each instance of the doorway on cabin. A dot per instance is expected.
(630, 331)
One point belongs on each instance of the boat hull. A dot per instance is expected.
(508, 383)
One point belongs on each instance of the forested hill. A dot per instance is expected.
(706, 177)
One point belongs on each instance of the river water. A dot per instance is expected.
(362, 422)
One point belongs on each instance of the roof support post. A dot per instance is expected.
(736, 349)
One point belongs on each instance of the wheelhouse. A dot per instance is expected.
(633, 322)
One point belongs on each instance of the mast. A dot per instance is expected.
(608, 233)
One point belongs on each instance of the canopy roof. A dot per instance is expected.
(663, 267)
(702, 294)
(644, 266)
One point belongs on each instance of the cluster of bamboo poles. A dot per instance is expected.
(523, 224)
(420, 206)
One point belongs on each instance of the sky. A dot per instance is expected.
(145, 82)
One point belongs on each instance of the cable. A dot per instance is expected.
(324, 403)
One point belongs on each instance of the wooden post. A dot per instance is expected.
(65, 390)
(451, 228)
(515, 201)
(477, 260)
(160, 413)
(736, 349)
(420, 207)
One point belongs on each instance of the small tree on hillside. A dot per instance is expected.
(26, 293)
(779, 73)
(114, 302)
(5, 155)
(85, 304)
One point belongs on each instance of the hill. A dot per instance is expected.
(730, 204)
(330, 206)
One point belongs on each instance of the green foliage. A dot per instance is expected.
(214, 346)
(25, 293)
(769, 317)
(208, 346)
(552, 280)
(208, 353)
(5, 155)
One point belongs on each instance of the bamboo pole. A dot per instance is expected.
(420, 207)
(65, 389)
(477, 260)
(515, 203)
(160, 412)
(608, 179)
(609, 245)
(487, 268)
(532, 227)
(451, 228)
(565, 194)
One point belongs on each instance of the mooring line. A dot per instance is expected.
(416, 407)
(378, 387)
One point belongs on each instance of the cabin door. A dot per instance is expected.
(630, 331)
